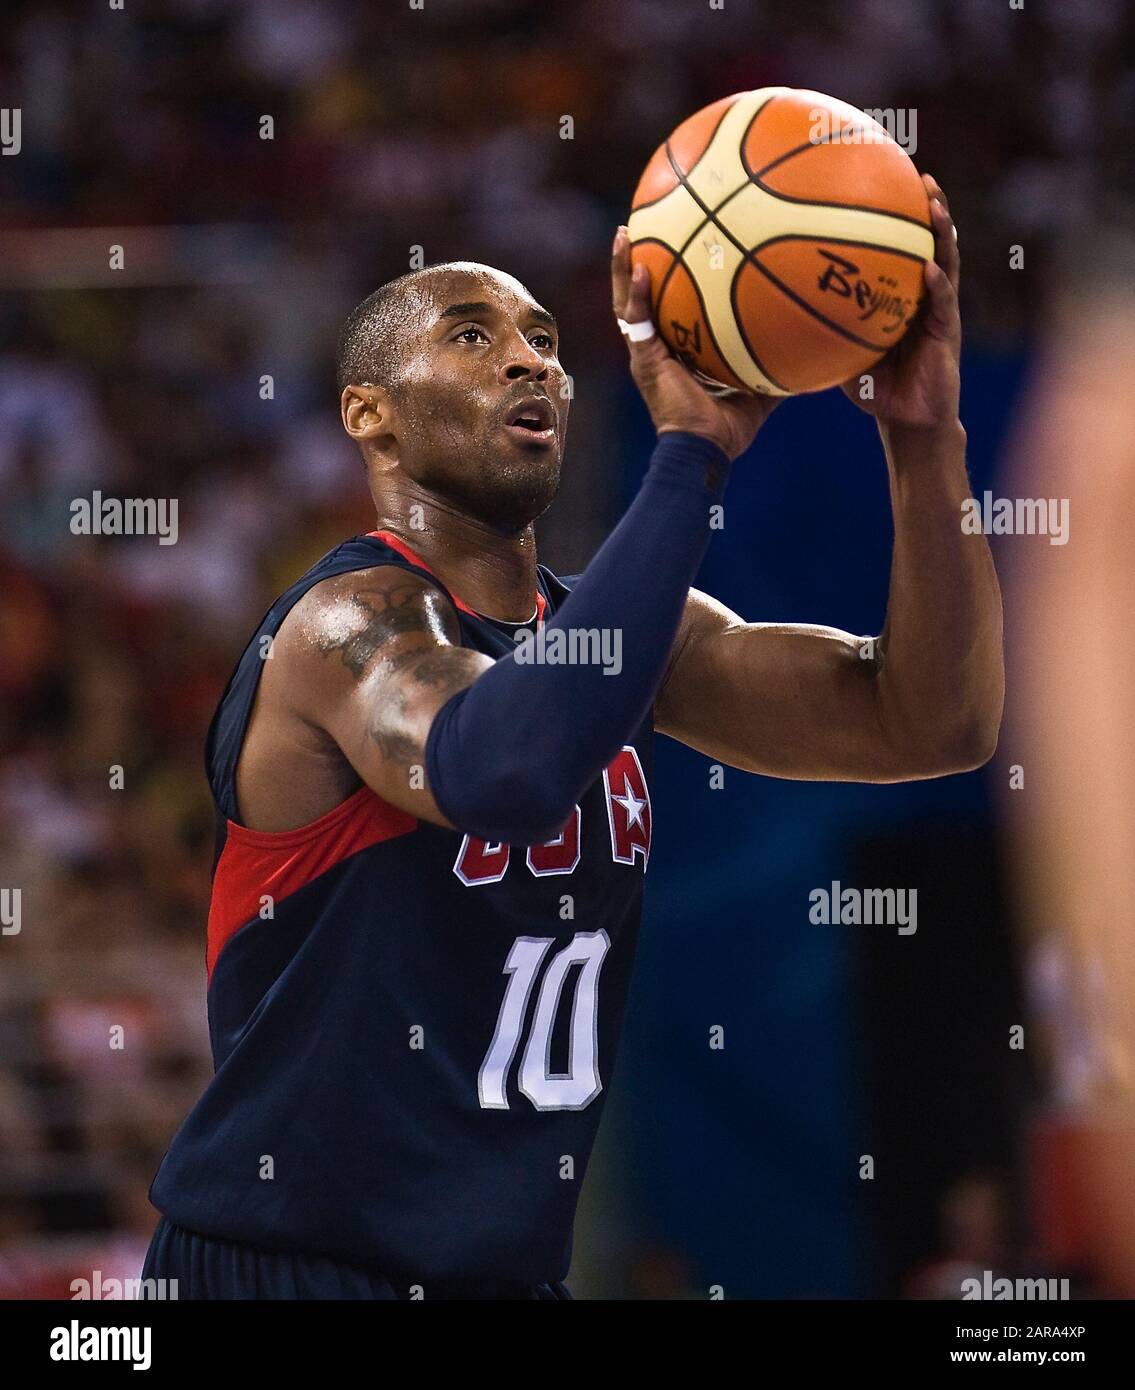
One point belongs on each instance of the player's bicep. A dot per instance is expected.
(785, 699)
(382, 723)
(380, 658)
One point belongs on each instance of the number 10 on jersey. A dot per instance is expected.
(580, 1084)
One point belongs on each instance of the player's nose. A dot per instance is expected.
(522, 361)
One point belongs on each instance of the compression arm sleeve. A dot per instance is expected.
(509, 756)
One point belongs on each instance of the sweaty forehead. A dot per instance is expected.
(473, 283)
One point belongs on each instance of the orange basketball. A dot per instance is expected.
(785, 233)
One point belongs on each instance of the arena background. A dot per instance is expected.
(440, 128)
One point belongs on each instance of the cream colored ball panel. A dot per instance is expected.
(712, 260)
(672, 220)
(720, 171)
(755, 216)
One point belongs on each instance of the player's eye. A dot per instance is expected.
(463, 336)
(542, 342)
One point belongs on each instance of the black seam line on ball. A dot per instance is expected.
(675, 261)
(815, 203)
(803, 303)
(756, 176)
(717, 346)
(710, 217)
(694, 165)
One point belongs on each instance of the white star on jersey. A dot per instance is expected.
(630, 804)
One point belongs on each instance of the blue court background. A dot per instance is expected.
(745, 1158)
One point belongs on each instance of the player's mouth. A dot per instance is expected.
(532, 421)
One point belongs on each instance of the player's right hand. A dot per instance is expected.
(673, 395)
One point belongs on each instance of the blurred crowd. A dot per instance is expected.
(204, 373)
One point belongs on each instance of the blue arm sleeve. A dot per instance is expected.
(509, 756)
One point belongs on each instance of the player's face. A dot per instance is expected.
(482, 398)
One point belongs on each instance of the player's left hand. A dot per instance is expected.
(673, 395)
(917, 384)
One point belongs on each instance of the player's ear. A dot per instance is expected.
(367, 411)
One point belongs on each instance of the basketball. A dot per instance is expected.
(785, 233)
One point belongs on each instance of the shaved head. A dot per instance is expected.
(374, 338)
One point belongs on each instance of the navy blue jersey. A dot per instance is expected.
(412, 1030)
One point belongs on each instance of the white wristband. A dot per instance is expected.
(637, 332)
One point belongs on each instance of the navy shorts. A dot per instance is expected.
(208, 1268)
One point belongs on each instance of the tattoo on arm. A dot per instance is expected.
(396, 747)
(376, 617)
(434, 668)
(446, 671)
(387, 611)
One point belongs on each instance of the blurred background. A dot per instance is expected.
(436, 132)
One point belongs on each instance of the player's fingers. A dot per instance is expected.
(945, 241)
(638, 296)
(945, 235)
(620, 272)
(630, 285)
(934, 189)
(630, 299)
(646, 348)
(940, 307)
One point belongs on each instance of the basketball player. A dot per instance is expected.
(432, 846)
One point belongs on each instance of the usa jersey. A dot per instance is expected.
(413, 1031)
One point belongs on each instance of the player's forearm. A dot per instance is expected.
(509, 756)
(940, 687)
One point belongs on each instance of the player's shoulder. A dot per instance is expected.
(356, 615)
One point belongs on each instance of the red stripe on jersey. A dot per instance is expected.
(398, 544)
(255, 864)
